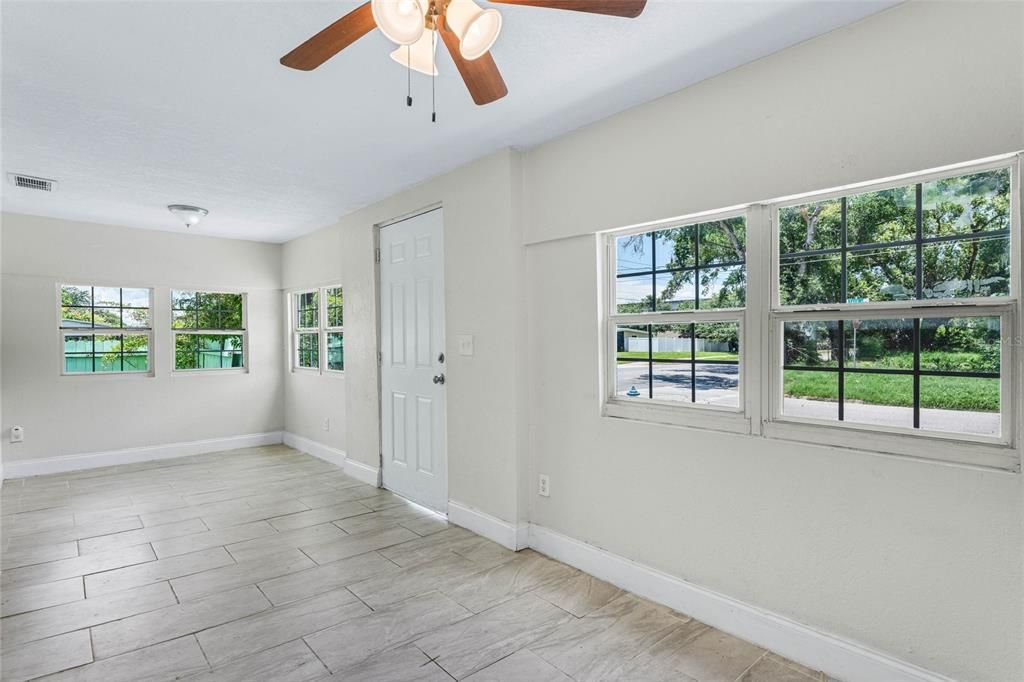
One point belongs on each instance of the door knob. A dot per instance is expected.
(439, 379)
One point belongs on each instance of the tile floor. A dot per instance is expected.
(269, 564)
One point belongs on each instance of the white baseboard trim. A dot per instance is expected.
(491, 527)
(357, 470)
(363, 472)
(94, 460)
(835, 656)
(319, 450)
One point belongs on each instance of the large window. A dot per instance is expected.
(318, 330)
(892, 304)
(209, 330)
(884, 316)
(104, 329)
(676, 314)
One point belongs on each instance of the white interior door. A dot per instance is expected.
(412, 359)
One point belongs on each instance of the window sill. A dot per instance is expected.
(954, 449)
(208, 372)
(110, 375)
(709, 418)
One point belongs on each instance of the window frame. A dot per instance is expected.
(962, 448)
(717, 417)
(63, 332)
(243, 332)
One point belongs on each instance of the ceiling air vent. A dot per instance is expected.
(30, 182)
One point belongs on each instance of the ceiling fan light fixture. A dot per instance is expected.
(476, 28)
(401, 21)
(420, 55)
(190, 215)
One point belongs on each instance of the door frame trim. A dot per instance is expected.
(377, 227)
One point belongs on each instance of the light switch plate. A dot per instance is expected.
(465, 343)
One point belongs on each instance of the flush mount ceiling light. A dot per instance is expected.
(467, 31)
(190, 215)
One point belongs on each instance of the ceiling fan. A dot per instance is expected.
(467, 31)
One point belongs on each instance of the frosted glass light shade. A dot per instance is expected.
(401, 21)
(476, 28)
(420, 55)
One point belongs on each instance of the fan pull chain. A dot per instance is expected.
(433, 76)
(408, 75)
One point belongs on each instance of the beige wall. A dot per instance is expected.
(920, 560)
(483, 273)
(70, 415)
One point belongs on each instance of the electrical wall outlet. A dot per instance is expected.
(17, 434)
(326, 424)
(543, 485)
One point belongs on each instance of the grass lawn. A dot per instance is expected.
(949, 393)
(682, 355)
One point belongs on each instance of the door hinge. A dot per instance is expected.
(380, 358)
(376, 255)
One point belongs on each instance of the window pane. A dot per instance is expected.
(185, 351)
(183, 300)
(671, 368)
(307, 312)
(218, 351)
(75, 317)
(633, 294)
(75, 295)
(960, 404)
(881, 275)
(810, 227)
(109, 297)
(77, 353)
(882, 399)
(220, 311)
(810, 395)
(965, 344)
(135, 317)
(967, 204)
(723, 241)
(136, 352)
(308, 350)
(717, 369)
(335, 308)
(633, 254)
(885, 216)
(208, 351)
(675, 290)
(879, 344)
(336, 351)
(632, 372)
(723, 287)
(967, 268)
(674, 248)
(184, 319)
(810, 280)
(811, 344)
(107, 317)
(135, 298)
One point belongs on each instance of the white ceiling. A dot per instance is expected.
(134, 105)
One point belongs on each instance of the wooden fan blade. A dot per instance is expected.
(331, 40)
(616, 8)
(483, 80)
